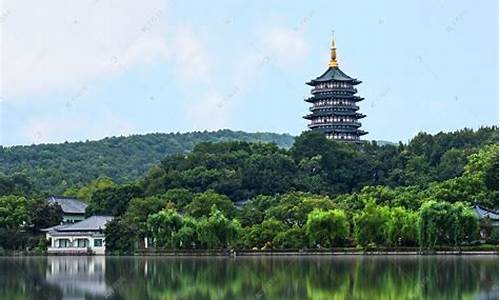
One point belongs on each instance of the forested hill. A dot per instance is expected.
(56, 167)
(318, 193)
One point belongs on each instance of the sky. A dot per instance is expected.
(88, 69)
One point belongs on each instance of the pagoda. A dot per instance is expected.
(334, 111)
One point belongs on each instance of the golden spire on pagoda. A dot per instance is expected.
(333, 53)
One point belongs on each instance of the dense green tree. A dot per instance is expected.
(44, 214)
(326, 228)
(85, 192)
(202, 203)
(310, 176)
(14, 218)
(474, 185)
(465, 224)
(237, 169)
(483, 166)
(407, 197)
(443, 223)
(180, 197)
(268, 173)
(188, 236)
(217, 231)
(254, 210)
(292, 238)
(113, 200)
(164, 226)
(451, 164)
(15, 184)
(434, 223)
(433, 147)
(120, 237)
(139, 210)
(309, 144)
(13, 212)
(371, 224)
(402, 227)
(339, 161)
(417, 171)
(263, 234)
(293, 208)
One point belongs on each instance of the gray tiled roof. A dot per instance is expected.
(93, 223)
(486, 213)
(78, 233)
(54, 228)
(333, 73)
(69, 205)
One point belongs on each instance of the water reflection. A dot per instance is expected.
(78, 277)
(471, 277)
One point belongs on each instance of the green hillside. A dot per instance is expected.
(55, 167)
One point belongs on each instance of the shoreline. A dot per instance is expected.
(348, 251)
(275, 254)
(244, 253)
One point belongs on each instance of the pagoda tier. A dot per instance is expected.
(330, 95)
(334, 111)
(334, 115)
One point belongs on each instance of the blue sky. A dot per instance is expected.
(88, 69)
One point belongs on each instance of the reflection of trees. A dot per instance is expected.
(264, 278)
(468, 274)
(300, 278)
(24, 278)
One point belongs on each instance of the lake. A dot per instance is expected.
(339, 277)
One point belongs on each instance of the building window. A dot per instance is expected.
(98, 243)
(63, 243)
(82, 243)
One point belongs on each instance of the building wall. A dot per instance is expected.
(73, 218)
(69, 244)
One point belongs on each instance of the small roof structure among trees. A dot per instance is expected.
(488, 214)
(69, 205)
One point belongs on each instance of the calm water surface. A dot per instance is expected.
(430, 277)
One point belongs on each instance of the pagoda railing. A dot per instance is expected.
(312, 108)
(357, 140)
(329, 124)
(314, 98)
(326, 90)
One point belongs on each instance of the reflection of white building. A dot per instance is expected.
(84, 237)
(78, 277)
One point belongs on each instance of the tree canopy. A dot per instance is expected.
(318, 193)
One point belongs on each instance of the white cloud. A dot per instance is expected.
(191, 59)
(212, 112)
(285, 47)
(58, 44)
(278, 47)
(282, 47)
(53, 130)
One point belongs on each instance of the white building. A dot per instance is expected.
(84, 237)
